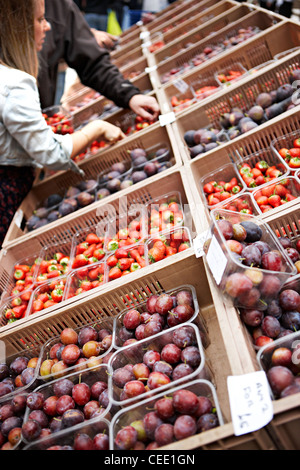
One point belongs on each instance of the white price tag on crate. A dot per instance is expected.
(151, 69)
(216, 260)
(198, 243)
(181, 85)
(167, 118)
(144, 35)
(250, 402)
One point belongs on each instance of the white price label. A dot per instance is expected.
(181, 85)
(151, 69)
(216, 260)
(144, 35)
(250, 402)
(167, 118)
(198, 243)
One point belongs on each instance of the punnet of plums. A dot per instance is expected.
(74, 350)
(159, 312)
(66, 402)
(170, 357)
(280, 360)
(181, 413)
(256, 265)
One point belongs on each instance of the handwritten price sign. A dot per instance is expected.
(250, 402)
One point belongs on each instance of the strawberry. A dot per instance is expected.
(262, 200)
(92, 238)
(112, 261)
(283, 152)
(114, 273)
(274, 200)
(125, 263)
(156, 253)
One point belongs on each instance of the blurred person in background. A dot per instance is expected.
(70, 39)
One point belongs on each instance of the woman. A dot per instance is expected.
(26, 141)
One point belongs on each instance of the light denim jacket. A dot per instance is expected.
(25, 137)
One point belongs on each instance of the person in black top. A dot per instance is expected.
(70, 39)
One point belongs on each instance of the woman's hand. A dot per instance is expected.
(111, 133)
(145, 106)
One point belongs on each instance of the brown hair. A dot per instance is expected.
(17, 46)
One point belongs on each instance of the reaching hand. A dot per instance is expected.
(105, 39)
(111, 133)
(145, 106)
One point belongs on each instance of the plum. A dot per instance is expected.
(189, 138)
(279, 378)
(65, 208)
(256, 113)
(138, 175)
(113, 185)
(254, 232)
(264, 100)
(284, 91)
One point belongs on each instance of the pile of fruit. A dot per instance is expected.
(230, 76)
(292, 249)
(164, 245)
(59, 122)
(219, 191)
(158, 364)
(176, 416)
(237, 121)
(120, 175)
(276, 194)
(242, 203)
(64, 404)
(258, 264)
(47, 295)
(283, 370)
(291, 155)
(56, 205)
(233, 38)
(75, 351)
(259, 173)
(21, 372)
(159, 312)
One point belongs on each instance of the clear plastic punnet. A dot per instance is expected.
(135, 413)
(102, 332)
(246, 259)
(221, 186)
(280, 360)
(102, 408)
(184, 302)
(149, 357)
(93, 435)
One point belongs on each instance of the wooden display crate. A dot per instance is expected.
(241, 94)
(254, 57)
(190, 19)
(229, 153)
(68, 225)
(200, 28)
(129, 56)
(97, 107)
(286, 416)
(180, 60)
(65, 229)
(178, 13)
(221, 355)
